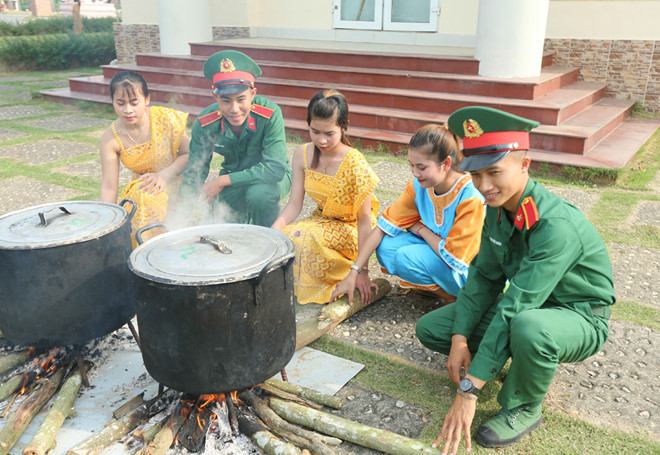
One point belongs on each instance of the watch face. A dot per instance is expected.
(465, 385)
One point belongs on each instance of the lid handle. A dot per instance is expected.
(217, 244)
(42, 215)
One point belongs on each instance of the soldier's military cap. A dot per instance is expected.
(488, 135)
(230, 72)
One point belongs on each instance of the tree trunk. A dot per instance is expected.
(9, 361)
(309, 394)
(357, 433)
(44, 439)
(19, 419)
(334, 313)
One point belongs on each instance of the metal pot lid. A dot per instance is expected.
(210, 254)
(59, 223)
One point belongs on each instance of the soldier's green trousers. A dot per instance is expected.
(255, 204)
(539, 339)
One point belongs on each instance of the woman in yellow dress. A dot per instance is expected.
(339, 179)
(151, 142)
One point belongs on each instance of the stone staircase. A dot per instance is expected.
(391, 95)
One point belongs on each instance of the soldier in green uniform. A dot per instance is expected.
(248, 131)
(538, 292)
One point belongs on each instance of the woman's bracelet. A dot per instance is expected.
(419, 229)
(359, 270)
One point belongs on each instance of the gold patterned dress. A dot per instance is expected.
(327, 241)
(167, 129)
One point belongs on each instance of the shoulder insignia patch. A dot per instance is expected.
(209, 118)
(262, 110)
(528, 214)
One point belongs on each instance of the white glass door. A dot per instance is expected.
(358, 14)
(411, 15)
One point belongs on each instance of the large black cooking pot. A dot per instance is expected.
(215, 306)
(63, 274)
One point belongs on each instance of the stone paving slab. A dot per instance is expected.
(579, 197)
(46, 151)
(18, 78)
(53, 83)
(647, 212)
(22, 192)
(69, 123)
(92, 169)
(636, 272)
(13, 112)
(8, 88)
(23, 96)
(6, 134)
(68, 74)
(393, 176)
(619, 387)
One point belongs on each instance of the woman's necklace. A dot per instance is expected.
(322, 165)
(139, 134)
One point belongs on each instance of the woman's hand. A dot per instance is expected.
(364, 285)
(457, 421)
(345, 286)
(152, 183)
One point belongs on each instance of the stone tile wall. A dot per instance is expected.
(631, 68)
(131, 39)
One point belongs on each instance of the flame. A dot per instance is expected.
(26, 378)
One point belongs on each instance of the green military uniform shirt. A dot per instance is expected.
(551, 255)
(257, 156)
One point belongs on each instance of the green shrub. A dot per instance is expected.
(51, 52)
(56, 25)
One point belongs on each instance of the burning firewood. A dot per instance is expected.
(12, 360)
(334, 313)
(165, 437)
(10, 386)
(330, 401)
(301, 437)
(127, 407)
(357, 433)
(44, 439)
(264, 439)
(19, 420)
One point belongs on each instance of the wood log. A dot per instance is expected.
(165, 437)
(19, 419)
(318, 397)
(264, 439)
(10, 386)
(10, 361)
(150, 433)
(336, 312)
(127, 407)
(357, 433)
(113, 430)
(301, 437)
(44, 439)
(289, 396)
(192, 434)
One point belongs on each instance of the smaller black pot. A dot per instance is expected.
(215, 306)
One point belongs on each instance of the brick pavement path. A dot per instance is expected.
(619, 387)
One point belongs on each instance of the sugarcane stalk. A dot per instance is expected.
(44, 439)
(20, 419)
(336, 312)
(348, 430)
(318, 397)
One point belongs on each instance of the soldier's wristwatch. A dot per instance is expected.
(468, 387)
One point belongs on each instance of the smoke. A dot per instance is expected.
(196, 211)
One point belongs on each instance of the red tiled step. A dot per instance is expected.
(188, 71)
(439, 64)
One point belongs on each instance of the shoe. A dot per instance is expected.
(509, 426)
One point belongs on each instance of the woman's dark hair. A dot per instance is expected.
(127, 80)
(328, 104)
(438, 142)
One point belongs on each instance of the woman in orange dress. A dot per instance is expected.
(151, 142)
(339, 179)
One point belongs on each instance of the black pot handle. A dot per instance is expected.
(256, 282)
(42, 215)
(138, 233)
(133, 207)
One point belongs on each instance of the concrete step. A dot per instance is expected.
(187, 71)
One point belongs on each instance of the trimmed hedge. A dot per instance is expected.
(62, 51)
(56, 25)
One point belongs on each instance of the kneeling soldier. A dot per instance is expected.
(539, 290)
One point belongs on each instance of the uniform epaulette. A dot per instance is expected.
(209, 118)
(262, 110)
(528, 213)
